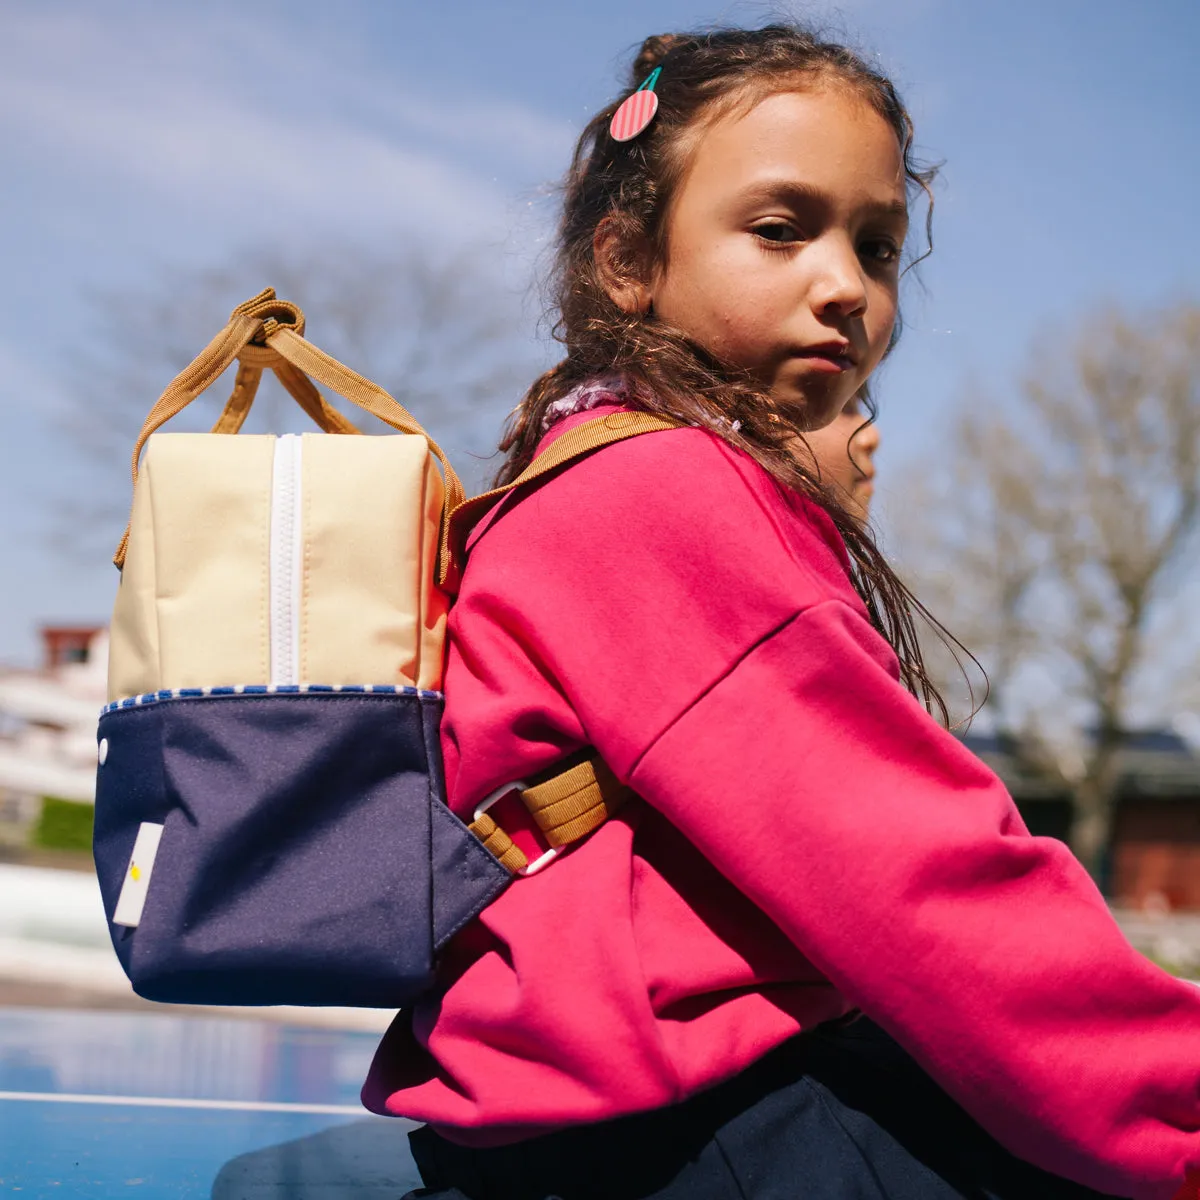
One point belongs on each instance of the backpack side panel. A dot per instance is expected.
(370, 612)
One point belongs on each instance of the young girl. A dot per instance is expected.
(672, 1009)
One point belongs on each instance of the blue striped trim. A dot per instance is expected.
(271, 689)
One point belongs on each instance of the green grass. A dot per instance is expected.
(63, 825)
(1184, 970)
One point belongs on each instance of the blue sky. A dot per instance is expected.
(139, 138)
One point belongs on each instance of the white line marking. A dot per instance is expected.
(175, 1102)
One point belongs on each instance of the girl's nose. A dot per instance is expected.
(866, 441)
(837, 284)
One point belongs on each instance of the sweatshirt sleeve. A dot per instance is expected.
(897, 863)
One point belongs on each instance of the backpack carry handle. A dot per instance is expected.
(266, 332)
(254, 357)
(237, 407)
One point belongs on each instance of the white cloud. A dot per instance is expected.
(194, 111)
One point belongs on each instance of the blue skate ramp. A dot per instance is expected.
(119, 1104)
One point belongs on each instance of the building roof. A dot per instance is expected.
(1152, 763)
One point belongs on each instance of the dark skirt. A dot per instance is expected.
(841, 1113)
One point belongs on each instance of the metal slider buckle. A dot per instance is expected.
(518, 786)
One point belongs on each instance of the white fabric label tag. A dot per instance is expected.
(132, 899)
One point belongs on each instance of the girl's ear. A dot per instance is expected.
(623, 267)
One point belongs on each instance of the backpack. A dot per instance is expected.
(271, 824)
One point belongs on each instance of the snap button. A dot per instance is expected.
(102, 751)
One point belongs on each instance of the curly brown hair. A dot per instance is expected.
(630, 185)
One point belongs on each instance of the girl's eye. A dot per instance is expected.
(881, 250)
(780, 233)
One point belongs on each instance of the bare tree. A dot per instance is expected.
(444, 335)
(1061, 545)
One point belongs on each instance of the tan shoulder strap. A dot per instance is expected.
(266, 332)
(576, 802)
(575, 443)
(566, 807)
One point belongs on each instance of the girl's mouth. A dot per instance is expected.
(828, 357)
(825, 361)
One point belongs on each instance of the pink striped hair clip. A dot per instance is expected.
(636, 111)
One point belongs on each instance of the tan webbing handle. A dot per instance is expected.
(566, 808)
(251, 362)
(266, 332)
(575, 443)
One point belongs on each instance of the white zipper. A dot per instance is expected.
(287, 561)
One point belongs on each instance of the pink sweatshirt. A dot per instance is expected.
(807, 840)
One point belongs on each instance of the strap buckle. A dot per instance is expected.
(507, 789)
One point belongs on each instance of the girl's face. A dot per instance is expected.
(783, 246)
(843, 454)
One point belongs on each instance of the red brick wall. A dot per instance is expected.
(1156, 850)
(66, 643)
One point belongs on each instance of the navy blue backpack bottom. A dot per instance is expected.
(306, 854)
